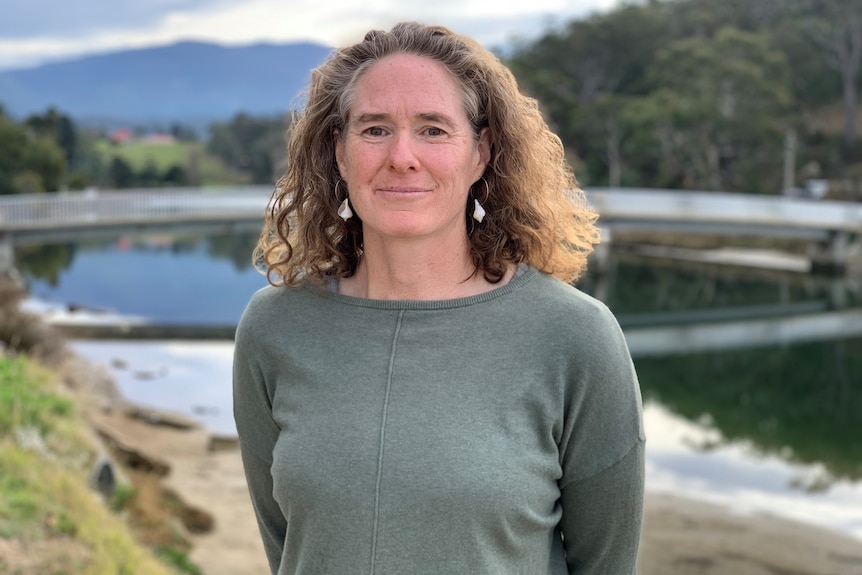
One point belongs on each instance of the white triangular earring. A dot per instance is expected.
(344, 210)
(478, 211)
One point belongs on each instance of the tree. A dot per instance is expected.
(629, 91)
(583, 73)
(45, 158)
(58, 128)
(175, 176)
(704, 18)
(120, 173)
(183, 133)
(149, 176)
(91, 166)
(836, 30)
(13, 141)
(28, 163)
(719, 111)
(252, 145)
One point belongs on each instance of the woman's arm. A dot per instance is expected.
(602, 517)
(258, 432)
(602, 453)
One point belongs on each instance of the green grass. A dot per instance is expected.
(51, 520)
(178, 559)
(163, 156)
(24, 400)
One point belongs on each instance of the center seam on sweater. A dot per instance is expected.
(382, 441)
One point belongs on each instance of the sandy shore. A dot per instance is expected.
(681, 536)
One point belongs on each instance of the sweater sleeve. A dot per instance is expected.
(602, 517)
(602, 451)
(257, 432)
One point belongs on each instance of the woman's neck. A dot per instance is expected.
(416, 271)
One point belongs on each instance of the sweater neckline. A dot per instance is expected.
(519, 280)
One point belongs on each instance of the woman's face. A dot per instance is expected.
(408, 155)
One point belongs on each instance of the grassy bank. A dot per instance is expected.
(51, 521)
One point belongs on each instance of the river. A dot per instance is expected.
(752, 381)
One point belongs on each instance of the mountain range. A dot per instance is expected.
(186, 82)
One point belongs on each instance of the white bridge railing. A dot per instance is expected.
(32, 212)
(724, 209)
(617, 207)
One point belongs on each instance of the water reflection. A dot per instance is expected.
(45, 262)
(784, 374)
(802, 403)
(772, 358)
(184, 278)
(690, 456)
(752, 381)
(695, 459)
(636, 286)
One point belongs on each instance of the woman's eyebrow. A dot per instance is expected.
(436, 117)
(367, 117)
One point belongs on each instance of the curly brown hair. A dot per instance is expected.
(536, 213)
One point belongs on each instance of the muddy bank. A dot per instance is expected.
(681, 536)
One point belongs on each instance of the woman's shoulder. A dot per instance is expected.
(279, 296)
(567, 301)
(560, 314)
(267, 297)
(274, 304)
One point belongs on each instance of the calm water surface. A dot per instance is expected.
(752, 383)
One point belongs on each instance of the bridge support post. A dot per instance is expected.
(854, 257)
(7, 255)
(831, 255)
(601, 252)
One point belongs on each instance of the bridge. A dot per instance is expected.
(647, 335)
(665, 340)
(34, 217)
(830, 226)
(724, 213)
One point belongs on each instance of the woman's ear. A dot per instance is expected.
(339, 151)
(484, 147)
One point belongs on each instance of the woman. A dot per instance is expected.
(416, 393)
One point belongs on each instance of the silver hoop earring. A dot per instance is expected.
(344, 211)
(478, 210)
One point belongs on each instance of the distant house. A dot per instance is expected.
(126, 135)
(159, 139)
(122, 136)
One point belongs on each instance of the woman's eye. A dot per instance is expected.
(434, 132)
(375, 131)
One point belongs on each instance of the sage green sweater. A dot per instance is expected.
(495, 434)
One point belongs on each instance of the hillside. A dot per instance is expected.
(190, 82)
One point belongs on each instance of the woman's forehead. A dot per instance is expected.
(407, 84)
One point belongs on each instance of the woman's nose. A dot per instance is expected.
(402, 152)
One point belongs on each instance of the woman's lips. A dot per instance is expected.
(403, 191)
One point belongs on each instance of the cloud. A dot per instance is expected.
(74, 19)
(34, 31)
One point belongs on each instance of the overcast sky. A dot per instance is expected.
(36, 31)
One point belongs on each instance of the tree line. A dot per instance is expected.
(703, 94)
(49, 152)
(729, 95)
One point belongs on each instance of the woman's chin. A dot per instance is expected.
(404, 228)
